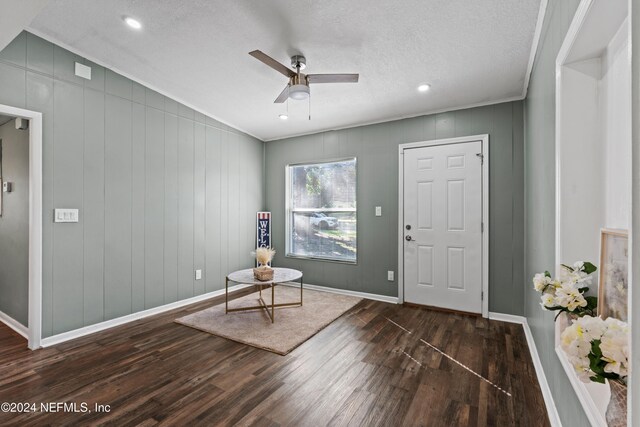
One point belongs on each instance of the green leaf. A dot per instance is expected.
(592, 302)
(583, 290)
(567, 267)
(595, 348)
(547, 274)
(597, 379)
(589, 267)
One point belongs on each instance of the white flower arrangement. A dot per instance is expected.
(264, 256)
(598, 349)
(566, 294)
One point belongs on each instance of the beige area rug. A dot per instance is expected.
(293, 325)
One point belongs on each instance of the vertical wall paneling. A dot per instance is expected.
(68, 247)
(93, 208)
(170, 208)
(213, 207)
(154, 209)
(200, 198)
(225, 235)
(138, 207)
(118, 206)
(145, 173)
(185, 208)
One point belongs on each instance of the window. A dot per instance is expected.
(321, 211)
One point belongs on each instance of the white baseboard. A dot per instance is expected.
(552, 411)
(87, 330)
(14, 324)
(511, 318)
(365, 295)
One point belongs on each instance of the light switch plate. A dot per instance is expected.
(66, 215)
(390, 275)
(198, 274)
(378, 210)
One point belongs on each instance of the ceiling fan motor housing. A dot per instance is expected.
(298, 61)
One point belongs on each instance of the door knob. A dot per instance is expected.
(409, 239)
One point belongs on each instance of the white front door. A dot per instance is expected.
(443, 226)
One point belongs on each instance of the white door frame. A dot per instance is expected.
(484, 139)
(35, 220)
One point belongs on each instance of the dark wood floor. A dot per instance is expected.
(361, 370)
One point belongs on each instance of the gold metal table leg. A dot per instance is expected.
(273, 301)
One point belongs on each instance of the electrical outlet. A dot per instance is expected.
(390, 275)
(198, 274)
(378, 210)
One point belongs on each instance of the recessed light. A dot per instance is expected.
(133, 23)
(424, 87)
(283, 117)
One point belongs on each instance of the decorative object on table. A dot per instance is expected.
(567, 293)
(263, 230)
(263, 257)
(599, 350)
(294, 326)
(614, 274)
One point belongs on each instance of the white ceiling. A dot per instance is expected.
(471, 52)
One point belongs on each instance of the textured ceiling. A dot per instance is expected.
(471, 52)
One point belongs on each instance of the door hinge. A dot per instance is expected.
(482, 227)
(481, 156)
(482, 296)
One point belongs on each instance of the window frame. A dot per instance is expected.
(288, 211)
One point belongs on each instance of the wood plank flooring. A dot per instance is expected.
(362, 370)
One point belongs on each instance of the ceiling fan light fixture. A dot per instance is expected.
(299, 92)
(424, 87)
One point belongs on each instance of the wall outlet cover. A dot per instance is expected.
(198, 274)
(378, 210)
(390, 275)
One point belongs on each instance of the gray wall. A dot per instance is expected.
(14, 224)
(376, 148)
(162, 190)
(540, 201)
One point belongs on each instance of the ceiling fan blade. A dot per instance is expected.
(269, 61)
(283, 95)
(333, 78)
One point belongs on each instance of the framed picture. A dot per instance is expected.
(614, 274)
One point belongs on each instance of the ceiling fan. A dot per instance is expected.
(298, 86)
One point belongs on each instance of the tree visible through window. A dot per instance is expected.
(321, 210)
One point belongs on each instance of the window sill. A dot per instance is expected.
(312, 258)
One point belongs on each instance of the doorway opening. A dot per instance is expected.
(21, 222)
(443, 224)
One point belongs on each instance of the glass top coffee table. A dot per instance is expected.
(280, 276)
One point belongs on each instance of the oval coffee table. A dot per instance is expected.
(280, 275)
